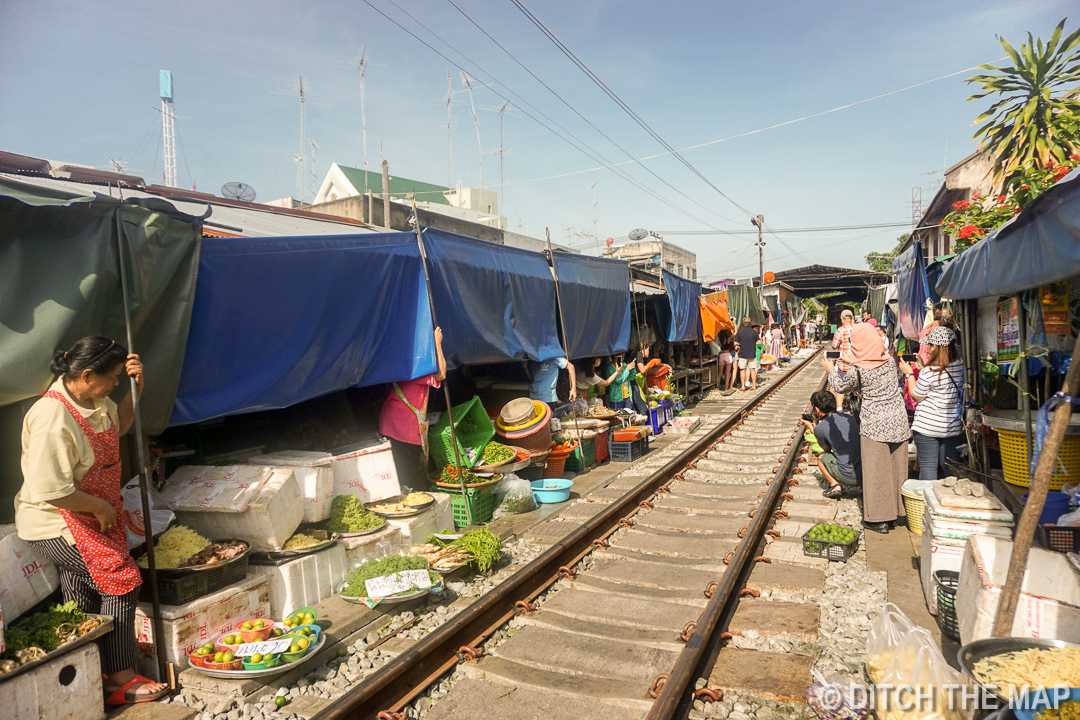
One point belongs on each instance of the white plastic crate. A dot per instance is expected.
(314, 474)
(65, 688)
(303, 582)
(368, 473)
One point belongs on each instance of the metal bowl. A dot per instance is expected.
(978, 650)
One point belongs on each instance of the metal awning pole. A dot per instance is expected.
(446, 389)
(144, 480)
(1022, 371)
(562, 322)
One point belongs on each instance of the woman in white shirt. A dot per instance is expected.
(938, 427)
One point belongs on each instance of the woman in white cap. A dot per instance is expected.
(938, 426)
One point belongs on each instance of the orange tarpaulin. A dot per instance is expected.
(714, 315)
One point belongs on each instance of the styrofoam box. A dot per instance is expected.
(314, 475)
(188, 626)
(67, 687)
(415, 530)
(26, 576)
(936, 556)
(369, 473)
(258, 504)
(691, 426)
(303, 582)
(359, 550)
(1049, 605)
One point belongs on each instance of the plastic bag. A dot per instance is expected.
(914, 682)
(160, 514)
(513, 496)
(1072, 518)
(838, 698)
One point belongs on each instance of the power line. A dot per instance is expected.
(576, 112)
(618, 100)
(577, 143)
(830, 228)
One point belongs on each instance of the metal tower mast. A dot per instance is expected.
(168, 127)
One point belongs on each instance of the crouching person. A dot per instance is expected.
(838, 435)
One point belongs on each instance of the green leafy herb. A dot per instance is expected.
(39, 629)
(347, 514)
(355, 580)
(483, 545)
(496, 453)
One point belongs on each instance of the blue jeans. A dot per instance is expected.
(627, 403)
(933, 452)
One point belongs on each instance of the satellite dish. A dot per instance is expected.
(769, 277)
(238, 191)
(638, 234)
(610, 241)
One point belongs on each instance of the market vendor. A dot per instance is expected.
(69, 505)
(403, 421)
(544, 376)
(619, 390)
(588, 379)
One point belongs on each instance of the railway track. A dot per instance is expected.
(629, 614)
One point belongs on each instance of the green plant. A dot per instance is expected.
(883, 262)
(1029, 126)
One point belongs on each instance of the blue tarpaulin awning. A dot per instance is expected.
(1038, 247)
(494, 303)
(277, 321)
(595, 295)
(912, 290)
(684, 310)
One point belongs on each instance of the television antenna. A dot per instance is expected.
(596, 238)
(298, 89)
(501, 151)
(362, 67)
(238, 191)
(476, 123)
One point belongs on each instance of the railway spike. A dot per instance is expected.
(780, 514)
(598, 544)
(567, 572)
(729, 557)
(688, 631)
(774, 534)
(646, 504)
(787, 496)
(711, 589)
(658, 685)
(709, 694)
(749, 592)
(762, 558)
(626, 522)
(387, 715)
(725, 636)
(467, 653)
(523, 607)
(742, 531)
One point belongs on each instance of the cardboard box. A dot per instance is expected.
(67, 687)
(186, 627)
(303, 582)
(258, 504)
(26, 577)
(314, 474)
(368, 473)
(1049, 604)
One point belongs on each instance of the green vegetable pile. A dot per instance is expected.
(347, 514)
(39, 630)
(483, 545)
(835, 533)
(496, 453)
(354, 581)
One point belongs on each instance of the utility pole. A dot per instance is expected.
(759, 222)
(386, 194)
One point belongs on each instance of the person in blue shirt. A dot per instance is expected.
(838, 435)
(545, 375)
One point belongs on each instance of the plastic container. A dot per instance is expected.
(627, 451)
(199, 660)
(657, 419)
(473, 430)
(182, 590)
(304, 611)
(516, 411)
(583, 456)
(1063, 538)
(264, 665)
(536, 438)
(1014, 459)
(480, 504)
(914, 505)
(603, 452)
(255, 635)
(1057, 504)
(553, 490)
(829, 549)
(945, 582)
(234, 664)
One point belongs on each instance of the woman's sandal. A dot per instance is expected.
(121, 696)
(834, 492)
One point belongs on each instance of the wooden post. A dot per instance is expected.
(1040, 485)
(386, 196)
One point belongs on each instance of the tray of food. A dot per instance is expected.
(401, 506)
(495, 455)
(303, 543)
(445, 560)
(39, 637)
(261, 665)
(354, 587)
(349, 518)
(1009, 667)
(181, 551)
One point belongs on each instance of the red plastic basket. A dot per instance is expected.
(555, 467)
(602, 451)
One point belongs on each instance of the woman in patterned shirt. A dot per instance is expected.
(883, 425)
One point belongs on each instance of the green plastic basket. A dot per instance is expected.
(473, 429)
(584, 456)
(481, 504)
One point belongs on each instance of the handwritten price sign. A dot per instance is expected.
(398, 582)
(267, 647)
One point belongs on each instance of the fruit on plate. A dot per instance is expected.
(256, 658)
(295, 647)
(247, 625)
(258, 625)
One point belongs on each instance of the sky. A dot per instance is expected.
(710, 79)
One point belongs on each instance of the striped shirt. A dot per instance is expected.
(935, 415)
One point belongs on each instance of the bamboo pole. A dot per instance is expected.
(1040, 485)
(446, 389)
(144, 481)
(558, 303)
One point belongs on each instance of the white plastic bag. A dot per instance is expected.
(1072, 518)
(513, 496)
(160, 514)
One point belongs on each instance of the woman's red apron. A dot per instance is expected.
(106, 555)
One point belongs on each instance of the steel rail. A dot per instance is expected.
(698, 656)
(407, 676)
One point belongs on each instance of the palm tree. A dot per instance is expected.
(1030, 126)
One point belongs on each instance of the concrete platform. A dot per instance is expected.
(472, 698)
(152, 711)
(775, 676)
(792, 552)
(631, 613)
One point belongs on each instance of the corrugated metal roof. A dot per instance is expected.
(235, 218)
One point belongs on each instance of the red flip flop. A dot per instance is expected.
(120, 696)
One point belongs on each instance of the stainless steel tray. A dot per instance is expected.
(277, 669)
(416, 509)
(973, 652)
(104, 627)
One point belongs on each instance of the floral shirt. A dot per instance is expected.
(882, 416)
(842, 341)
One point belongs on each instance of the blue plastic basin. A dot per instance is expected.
(1029, 706)
(552, 490)
(1057, 504)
